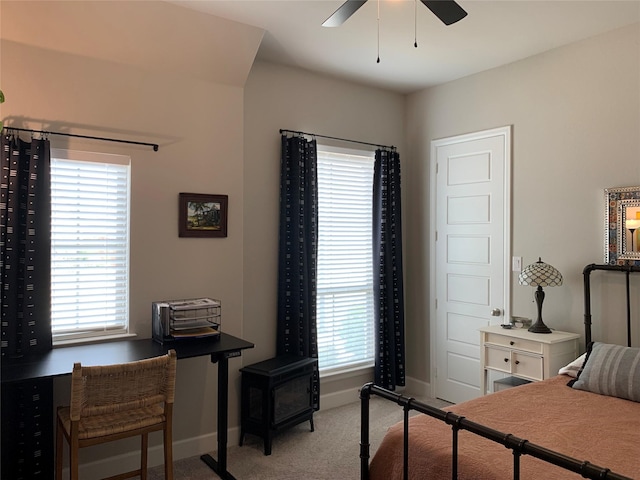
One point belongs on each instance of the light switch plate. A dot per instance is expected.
(516, 264)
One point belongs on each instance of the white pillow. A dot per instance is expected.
(574, 367)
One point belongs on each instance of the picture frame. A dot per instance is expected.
(622, 226)
(202, 215)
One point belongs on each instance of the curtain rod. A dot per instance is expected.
(336, 138)
(44, 132)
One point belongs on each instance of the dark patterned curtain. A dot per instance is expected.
(388, 287)
(25, 240)
(25, 305)
(27, 430)
(298, 253)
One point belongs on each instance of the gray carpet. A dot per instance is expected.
(332, 451)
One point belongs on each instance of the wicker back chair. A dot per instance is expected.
(118, 401)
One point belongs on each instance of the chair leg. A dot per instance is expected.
(168, 452)
(143, 456)
(59, 448)
(73, 459)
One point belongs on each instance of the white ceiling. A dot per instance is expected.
(494, 33)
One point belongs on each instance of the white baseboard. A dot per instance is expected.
(188, 447)
(417, 388)
(337, 399)
(209, 443)
(130, 461)
(413, 388)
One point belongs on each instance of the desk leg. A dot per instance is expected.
(220, 466)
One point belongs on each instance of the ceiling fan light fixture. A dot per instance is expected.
(448, 11)
(343, 12)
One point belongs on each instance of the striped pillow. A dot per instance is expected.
(611, 370)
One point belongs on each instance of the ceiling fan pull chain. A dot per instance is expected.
(378, 61)
(415, 24)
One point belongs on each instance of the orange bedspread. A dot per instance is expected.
(603, 430)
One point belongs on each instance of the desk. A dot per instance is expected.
(59, 361)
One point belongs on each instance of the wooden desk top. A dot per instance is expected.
(59, 361)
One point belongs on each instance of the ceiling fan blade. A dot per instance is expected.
(345, 10)
(446, 10)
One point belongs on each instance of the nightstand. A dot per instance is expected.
(522, 354)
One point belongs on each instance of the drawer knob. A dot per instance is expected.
(506, 359)
(517, 362)
(512, 342)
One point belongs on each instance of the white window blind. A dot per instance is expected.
(345, 278)
(89, 244)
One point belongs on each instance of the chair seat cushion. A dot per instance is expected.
(114, 423)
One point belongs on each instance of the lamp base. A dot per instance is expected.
(539, 327)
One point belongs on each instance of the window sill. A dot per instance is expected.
(90, 340)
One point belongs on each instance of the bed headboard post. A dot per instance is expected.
(587, 302)
(365, 394)
(628, 309)
(627, 269)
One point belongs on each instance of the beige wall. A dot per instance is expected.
(195, 115)
(575, 113)
(200, 137)
(576, 127)
(203, 119)
(286, 98)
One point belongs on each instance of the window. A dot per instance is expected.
(89, 244)
(345, 270)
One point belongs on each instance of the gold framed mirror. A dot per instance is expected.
(622, 226)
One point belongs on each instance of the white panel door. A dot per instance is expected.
(470, 252)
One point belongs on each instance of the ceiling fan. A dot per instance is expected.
(446, 10)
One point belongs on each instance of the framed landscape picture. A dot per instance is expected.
(202, 215)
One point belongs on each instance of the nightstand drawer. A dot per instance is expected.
(514, 343)
(529, 366)
(513, 362)
(498, 359)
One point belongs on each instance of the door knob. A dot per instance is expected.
(496, 312)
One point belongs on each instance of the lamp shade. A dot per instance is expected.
(632, 223)
(540, 274)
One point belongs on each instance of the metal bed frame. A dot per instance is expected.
(518, 445)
